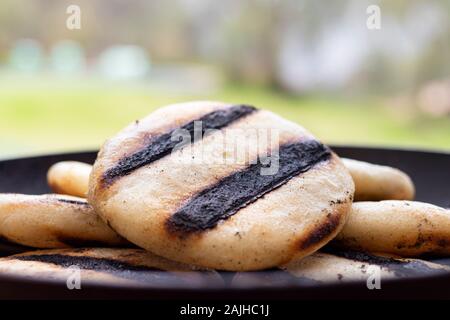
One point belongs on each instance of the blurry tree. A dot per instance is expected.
(299, 46)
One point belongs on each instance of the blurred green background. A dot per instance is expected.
(314, 62)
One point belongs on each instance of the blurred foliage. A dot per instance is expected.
(314, 62)
(293, 45)
(48, 115)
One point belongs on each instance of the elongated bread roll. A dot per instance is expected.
(69, 177)
(53, 221)
(405, 228)
(374, 182)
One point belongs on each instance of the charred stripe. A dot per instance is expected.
(162, 145)
(84, 262)
(322, 231)
(240, 189)
(75, 202)
(116, 268)
(401, 268)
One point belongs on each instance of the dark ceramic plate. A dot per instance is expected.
(429, 170)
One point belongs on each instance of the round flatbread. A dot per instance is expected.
(221, 186)
(53, 221)
(374, 182)
(75, 267)
(359, 266)
(334, 266)
(346, 266)
(69, 177)
(405, 228)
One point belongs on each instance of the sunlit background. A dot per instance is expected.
(314, 62)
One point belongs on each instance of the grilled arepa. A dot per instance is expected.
(359, 266)
(69, 177)
(174, 184)
(105, 266)
(404, 228)
(374, 182)
(341, 266)
(53, 221)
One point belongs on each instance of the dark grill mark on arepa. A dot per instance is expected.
(319, 233)
(162, 145)
(361, 256)
(114, 267)
(401, 268)
(241, 188)
(84, 262)
(75, 202)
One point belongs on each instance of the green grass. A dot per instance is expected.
(51, 116)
